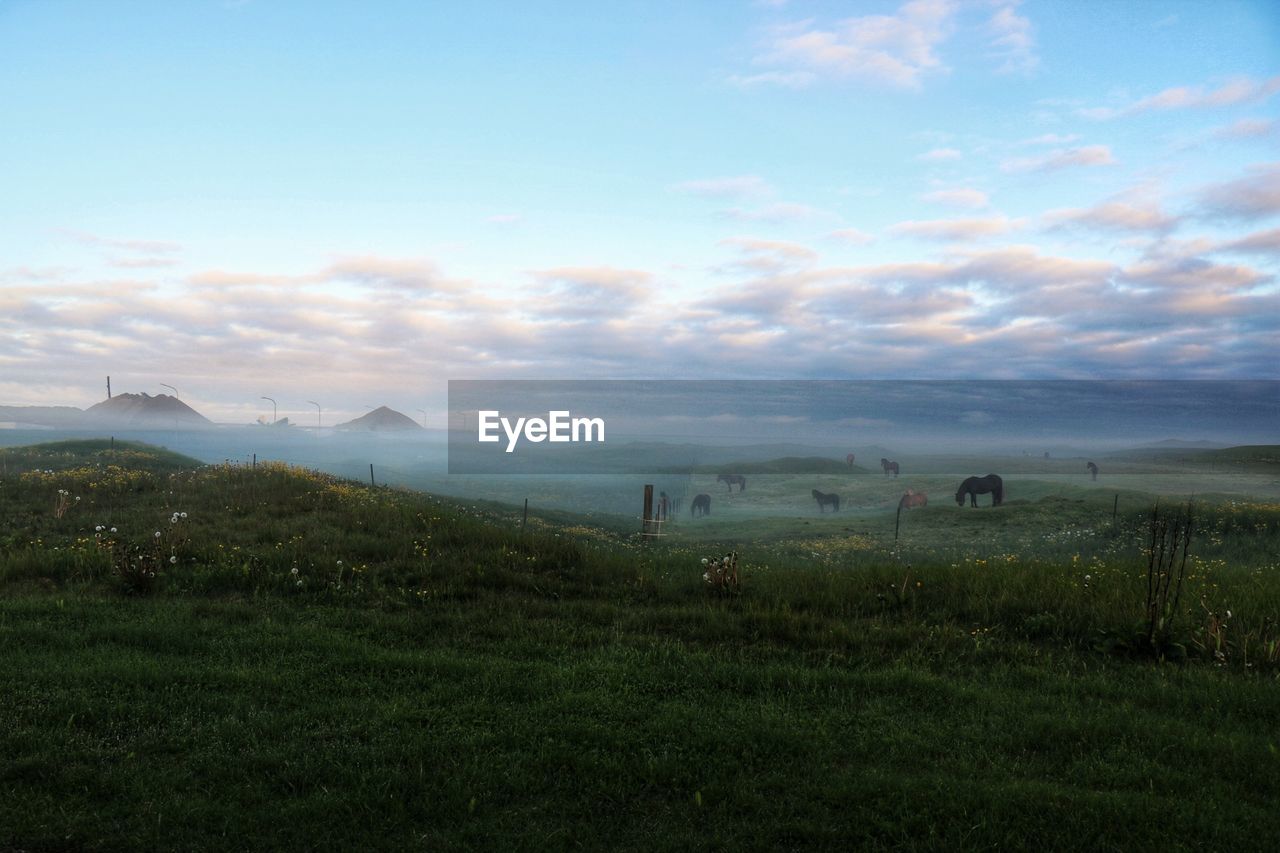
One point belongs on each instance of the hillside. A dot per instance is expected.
(143, 411)
(381, 419)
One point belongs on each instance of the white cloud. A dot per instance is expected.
(737, 186)
(1254, 196)
(896, 50)
(1238, 90)
(965, 197)
(940, 155)
(852, 236)
(1064, 158)
(1013, 40)
(776, 213)
(954, 230)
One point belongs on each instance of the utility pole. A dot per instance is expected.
(317, 405)
(108, 387)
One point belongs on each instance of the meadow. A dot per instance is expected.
(267, 657)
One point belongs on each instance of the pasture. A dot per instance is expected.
(304, 661)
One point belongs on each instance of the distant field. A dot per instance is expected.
(318, 663)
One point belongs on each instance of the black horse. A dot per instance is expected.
(700, 502)
(825, 500)
(732, 480)
(889, 466)
(1093, 469)
(975, 486)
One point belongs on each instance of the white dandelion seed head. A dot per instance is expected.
(113, 530)
(183, 514)
(173, 560)
(157, 534)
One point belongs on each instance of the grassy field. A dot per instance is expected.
(225, 657)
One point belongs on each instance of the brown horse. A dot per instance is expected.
(825, 500)
(849, 459)
(1093, 469)
(889, 466)
(913, 499)
(700, 502)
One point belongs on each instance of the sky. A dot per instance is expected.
(353, 203)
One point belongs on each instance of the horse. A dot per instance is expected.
(849, 459)
(974, 486)
(700, 502)
(1093, 469)
(889, 466)
(731, 480)
(913, 499)
(824, 500)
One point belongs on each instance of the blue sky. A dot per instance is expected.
(359, 201)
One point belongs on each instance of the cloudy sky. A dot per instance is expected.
(353, 202)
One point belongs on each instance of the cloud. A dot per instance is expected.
(776, 213)
(738, 186)
(852, 236)
(1050, 139)
(895, 50)
(1239, 90)
(754, 245)
(1260, 243)
(1256, 195)
(1063, 158)
(1132, 213)
(965, 197)
(784, 79)
(940, 155)
(1013, 41)
(150, 247)
(1247, 128)
(951, 230)
(589, 292)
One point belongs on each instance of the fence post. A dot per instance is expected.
(648, 509)
(372, 484)
(524, 522)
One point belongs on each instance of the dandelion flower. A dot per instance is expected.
(299, 583)
(704, 561)
(184, 515)
(157, 534)
(113, 530)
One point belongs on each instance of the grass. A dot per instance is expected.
(459, 682)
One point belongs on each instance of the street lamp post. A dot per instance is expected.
(171, 388)
(424, 418)
(317, 405)
(274, 409)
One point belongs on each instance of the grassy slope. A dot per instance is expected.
(455, 682)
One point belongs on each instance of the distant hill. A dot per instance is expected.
(54, 416)
(1180, 444)
(785, 465)
(381, 419)
(143, 411)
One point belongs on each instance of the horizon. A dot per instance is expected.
(319, 202)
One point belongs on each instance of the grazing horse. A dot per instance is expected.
(913, 499)
(1093, 469)
(700, 502)
(731, 480)
(849, 459)
(889, 466)
(974, 486)
(825, 500)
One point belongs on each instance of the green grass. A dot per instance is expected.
(459, 682)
